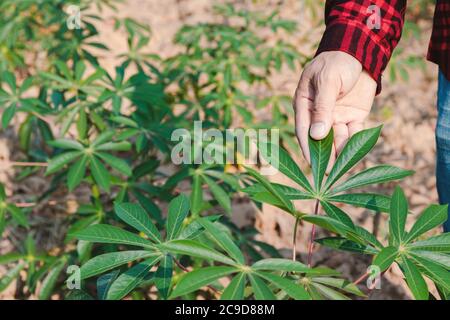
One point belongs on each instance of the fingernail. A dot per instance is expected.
(318, 129)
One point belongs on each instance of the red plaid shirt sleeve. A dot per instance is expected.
(439, 50)
(369, 30)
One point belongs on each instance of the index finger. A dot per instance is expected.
(302, 107)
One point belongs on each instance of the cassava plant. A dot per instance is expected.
(207, 243)
(144, 228)
(428, 257)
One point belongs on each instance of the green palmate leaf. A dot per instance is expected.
(116, 163)
(341, 284)
(289, 192)
(375, 202)
(397, 217)
(84, 249)
(433, 271)
(323, 271)
(200, 278)
(219, 194)
(103, 137)
(432, 217)
(17, 214)
(267, 197)
(289, 286)
(344, 244)
(2, 221)
(356, 148)
(440, 243)
(61, 160)
(125, 121)
(314, 292)
(10, 79)
(442, 259)
(367, 237)
(137, 217)
(194, 228)
(11, 257)
(12, 274)
(235, 289)
(128, 280)
(414, 279)
(163, 276)
(104, 233)
(82, 124)
(76, 173)
(178, 211)
(109, 261)
(100, 174)
(260, 289)
(355, 234)
(288, 167)
(328, 292)
(2, 193)
(337, 214)
(320, 151)
(375, 175)
(148, 205)
(278, 195)
(229, 179)
(8, 115)
(49, 282)
(104, 283)
(277, 264)
(66, 144)
(114, 146)
(444, 294)
(223, 240)
(328, 223)
(196, 194)
(195, 249)
(385, 258)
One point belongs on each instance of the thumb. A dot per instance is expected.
(323, 108)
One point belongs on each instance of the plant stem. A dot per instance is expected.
(294, 240)
(376, 224)
(27, 164)
(361, 279)
(313, 235)
(178, 263)
(25, 204)
(32, 204)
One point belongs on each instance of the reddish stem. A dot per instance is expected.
(294, 240)
(361, 279)
(313, 235)
(178, 263)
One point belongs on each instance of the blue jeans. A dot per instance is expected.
(443, 144)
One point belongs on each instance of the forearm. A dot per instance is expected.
(369, 30)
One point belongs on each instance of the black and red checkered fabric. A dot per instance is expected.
(352, 27)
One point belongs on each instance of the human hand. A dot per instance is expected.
(333, 92)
